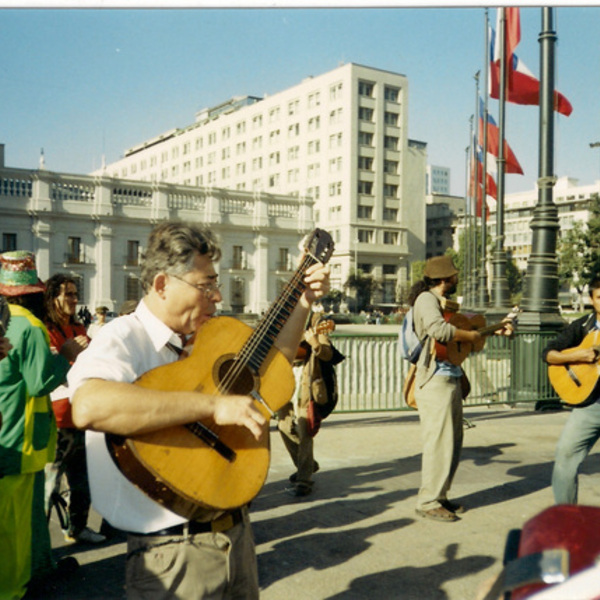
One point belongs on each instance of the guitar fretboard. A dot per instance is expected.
(259, 344)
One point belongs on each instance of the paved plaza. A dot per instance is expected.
(357, 536)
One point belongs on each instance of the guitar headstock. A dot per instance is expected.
(319, 245)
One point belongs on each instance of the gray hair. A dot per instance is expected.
(172, 247)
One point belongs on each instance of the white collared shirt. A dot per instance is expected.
(123, 350)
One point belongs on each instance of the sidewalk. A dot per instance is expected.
(357, 536)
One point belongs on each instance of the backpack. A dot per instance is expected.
(410, 345)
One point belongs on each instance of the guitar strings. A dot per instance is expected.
(290, 292)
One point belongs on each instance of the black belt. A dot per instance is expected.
(222, 523)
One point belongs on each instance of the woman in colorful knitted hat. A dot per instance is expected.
(28, 435)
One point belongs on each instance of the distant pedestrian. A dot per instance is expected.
(60, 303)
(100, 321)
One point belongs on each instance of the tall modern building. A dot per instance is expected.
(438, 180)
(340, 139)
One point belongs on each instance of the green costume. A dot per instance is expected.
(27, 442)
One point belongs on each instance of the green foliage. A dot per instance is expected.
(579, 250)
(364, 287)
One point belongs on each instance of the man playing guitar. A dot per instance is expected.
(213, 554)
(582, 428)
(438, 392)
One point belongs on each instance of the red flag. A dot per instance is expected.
(513, 30)
(523, 87)
(493, 143)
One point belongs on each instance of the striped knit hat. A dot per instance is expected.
(18, 274)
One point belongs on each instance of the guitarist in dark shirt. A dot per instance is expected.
(582, 429)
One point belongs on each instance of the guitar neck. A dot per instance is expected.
(488, 329)
(260, 342)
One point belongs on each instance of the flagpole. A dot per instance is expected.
(467, 233)
(473, 214)
(484, 297)
(540, 295)
(500, 292)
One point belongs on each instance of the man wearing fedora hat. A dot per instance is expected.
(438, 390)
(28, 434)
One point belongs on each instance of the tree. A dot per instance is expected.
(364, 287)
(579, 250)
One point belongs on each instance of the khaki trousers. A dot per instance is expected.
(207, 566)
(441, 416)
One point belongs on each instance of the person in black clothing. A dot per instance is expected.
(582, 429)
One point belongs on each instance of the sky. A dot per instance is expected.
(87, 83)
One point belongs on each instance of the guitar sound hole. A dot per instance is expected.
(234, 379)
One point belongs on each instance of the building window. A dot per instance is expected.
(365, 139)
(365, 236)
(390, 142)
(9, 242)
(274, 180)
(314, 192)
(390, 214)
(293, 107)
(274, 158)
(294, 130)
(365, 114)
(237, 261)
(335, 141)
(314, 146)
(133, 288)
(274, 114)
(365, 187)
(391, 118)
(293, 152)
(335, 91)
(390, 191)
(257, 142)
(133, 253)
(284, 263)
(257, 121)
(335, 189)
(390, 237)
(365, 163)
(314, 123)
(74, 254)
(389, 269)
(364, 212)
(390, 167)
(335, 116)
(240, 127)
(391, 94)
(365, 88)
(314, 100)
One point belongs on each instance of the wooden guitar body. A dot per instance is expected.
(201, 465)
(175, 466)
(577, 384)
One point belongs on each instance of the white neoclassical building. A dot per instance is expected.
(95, 228)
(571, 199)
(339, 138)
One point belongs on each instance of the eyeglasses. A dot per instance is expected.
(207, 289)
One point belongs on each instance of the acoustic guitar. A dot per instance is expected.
(321, 328)
(577, 383)
(456, 352)
(203, 465)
